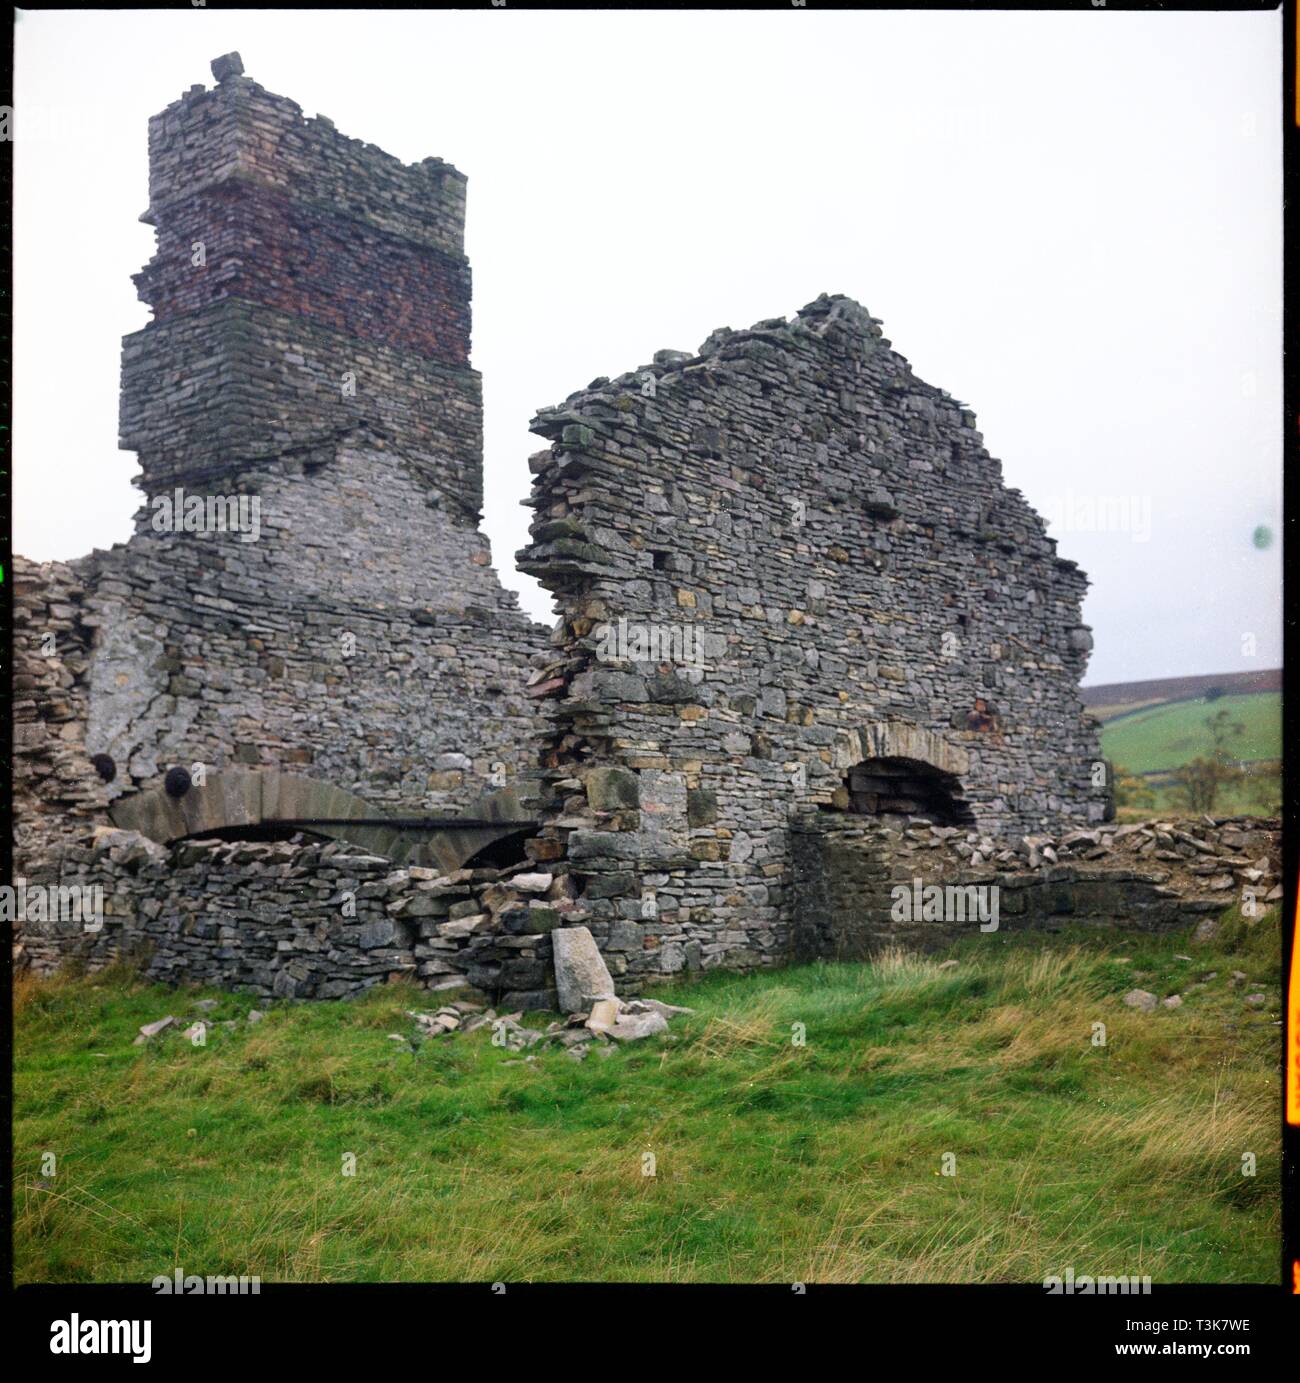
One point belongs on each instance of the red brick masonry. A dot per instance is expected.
(311, 262)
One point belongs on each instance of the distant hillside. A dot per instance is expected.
(1153, 729)
(1113, 699)
(1164, 737)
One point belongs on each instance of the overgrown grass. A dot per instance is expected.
(774, 1162)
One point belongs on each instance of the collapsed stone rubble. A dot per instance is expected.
(609, 1020)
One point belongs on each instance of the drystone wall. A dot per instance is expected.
(776, 559)
(298, 919)
(307, 919)
(56, 789)
(861, 885)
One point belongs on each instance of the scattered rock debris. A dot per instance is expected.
(619, 1020)
(156, 1029)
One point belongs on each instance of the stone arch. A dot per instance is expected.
(893, 768)
(899, 739)
(238, 799)
(908, 788)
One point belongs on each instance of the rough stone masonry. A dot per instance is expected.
(885, 628)
(802, 625)
(309, 350)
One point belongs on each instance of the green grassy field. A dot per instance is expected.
(774, 1162)
(1167, 736)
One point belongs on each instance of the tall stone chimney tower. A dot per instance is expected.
(307, 288)
(307, 590)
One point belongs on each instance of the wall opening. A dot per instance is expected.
(906, 788)
(503, 853)
(258, 831)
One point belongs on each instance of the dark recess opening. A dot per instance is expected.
(907, 787)
(267, 830)
(502, 853)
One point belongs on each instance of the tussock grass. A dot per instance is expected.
(774, 1161)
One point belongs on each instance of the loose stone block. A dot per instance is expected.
(581, 977)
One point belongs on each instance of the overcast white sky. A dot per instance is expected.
(1072, 222)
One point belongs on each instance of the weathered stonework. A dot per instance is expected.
(56, 789)
(810, 646)
(291, 257)
(301, 920)
(1154, 877)
(858, 587)
(293, 920)
(309, 352)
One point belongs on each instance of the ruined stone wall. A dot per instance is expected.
(794, 589)
(299, 919)
(845, 574)
(1155, 876)
(307, 919)
(362, 639)
(56, 791)
(309, 355)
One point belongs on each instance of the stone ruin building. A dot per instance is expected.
(808, 644)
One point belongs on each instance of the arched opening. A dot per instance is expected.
(259, 831)
(256, 804)
(502, 853)
(906, 788)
